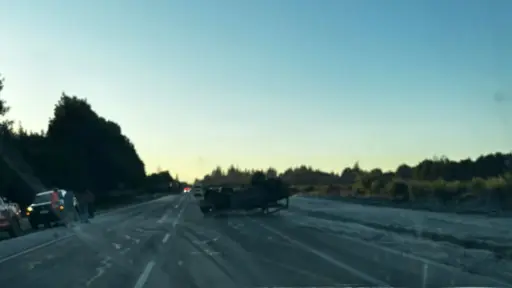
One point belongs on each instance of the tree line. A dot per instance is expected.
(437, 168)
(78, 150)
(438, 178)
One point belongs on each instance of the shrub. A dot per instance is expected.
(398, 190)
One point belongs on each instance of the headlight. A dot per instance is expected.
(29, 209)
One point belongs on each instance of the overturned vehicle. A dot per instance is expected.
(267, 195)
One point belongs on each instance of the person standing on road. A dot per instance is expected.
(69, 208)
(83, 206)
(90, 203)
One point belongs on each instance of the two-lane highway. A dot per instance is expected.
(168, 243)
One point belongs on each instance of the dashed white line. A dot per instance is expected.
(145, 274)
(175, 222)
(104, 265)
(32, 265)
(166, 237)
(425, 275)
(164, 217)
(162, 220)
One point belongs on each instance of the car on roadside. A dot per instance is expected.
(13, 206)
(9, 219)
(198, 191)
(48, 209)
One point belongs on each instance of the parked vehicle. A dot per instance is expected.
(198, 191)
(10, 218)
(49, 209)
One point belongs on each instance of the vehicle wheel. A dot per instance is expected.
(47, 225)
(15, 230)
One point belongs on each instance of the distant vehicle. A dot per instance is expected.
(269, 196)
(186, 190)
(48, 208)
(9, 219)
(198, 191)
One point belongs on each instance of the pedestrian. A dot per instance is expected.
(71, 214)
(83, 206)
(90, 203)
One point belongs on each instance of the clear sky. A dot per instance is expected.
(278, 83)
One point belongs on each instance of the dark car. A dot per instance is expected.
(48, 208)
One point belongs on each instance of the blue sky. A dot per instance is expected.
(262, 83)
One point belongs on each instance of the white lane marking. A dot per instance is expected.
(201, 246)
(205, 251)
(104, 265)
(327, 258)
(34, 248)
(175, 222)
(425, 275)
(203, 242)
(32, 265)
(125, 251)
(145, 274)
(162, 220)
(117, 246)
(165, 216)
(135, 240)
(166, 237)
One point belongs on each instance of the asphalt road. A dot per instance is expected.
(168, 243)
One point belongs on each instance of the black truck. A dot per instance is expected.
(266, 195)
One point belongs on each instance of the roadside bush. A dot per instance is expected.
(420, 191)
(398, 190)
(358, 189)
(377, 187)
